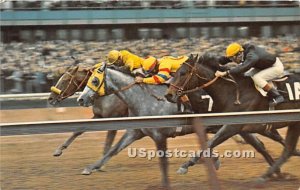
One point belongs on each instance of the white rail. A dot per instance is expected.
(149, 122)
(28, 96)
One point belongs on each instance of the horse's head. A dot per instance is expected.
(195, 73)
(94, 87)
(73, 80)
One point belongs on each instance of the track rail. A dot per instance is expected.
(33, 100)
(149, 122)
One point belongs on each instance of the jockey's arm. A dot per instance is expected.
(129, 64)
(162, 75)
(223, 60)
(124, 69)
(132, 64)
(250, 60)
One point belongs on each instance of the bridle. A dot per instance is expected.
(63, 94)
(180, 89)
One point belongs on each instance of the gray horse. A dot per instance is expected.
(142, 100)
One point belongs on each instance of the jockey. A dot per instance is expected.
(124, 59)
(264, 67)
(159, 71)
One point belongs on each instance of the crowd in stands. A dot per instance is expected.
(27, 68)
(137, 4)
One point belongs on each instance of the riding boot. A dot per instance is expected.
(275, 97)
(187, 105)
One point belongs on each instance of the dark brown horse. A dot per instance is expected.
(140, 103)
(198, 72)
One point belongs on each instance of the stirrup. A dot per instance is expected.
(275, 101)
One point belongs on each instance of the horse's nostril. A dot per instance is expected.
(168, 96)
(80, 100)
(50, 99)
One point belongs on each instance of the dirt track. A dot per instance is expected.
(27, 163)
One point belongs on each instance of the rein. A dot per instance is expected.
(201, 87)
(63, 94)
(180, 90)
(122, 89)
(131, 85)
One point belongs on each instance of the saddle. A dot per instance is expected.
(274, 82)
(284, 77)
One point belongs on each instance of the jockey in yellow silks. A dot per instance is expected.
(124, 59)
(160, 70)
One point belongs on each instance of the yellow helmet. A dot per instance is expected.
(233, 49)
(149, 64)
(113, 56)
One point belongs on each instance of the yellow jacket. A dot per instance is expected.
(130, 60)
(167, 65)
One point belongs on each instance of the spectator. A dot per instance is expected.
(17, 77)
(58, 56)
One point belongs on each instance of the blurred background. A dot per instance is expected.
(38, 38)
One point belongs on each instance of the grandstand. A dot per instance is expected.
(38, 37)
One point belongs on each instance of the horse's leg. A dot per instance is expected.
(65, 145)
(274, 135)
(161, 145)
(128, 138)
(259, 147)
(110, 137)
(292, 138)
(222, 135)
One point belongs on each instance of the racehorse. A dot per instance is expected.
(142, 100)
(232, 96)
(74, 80)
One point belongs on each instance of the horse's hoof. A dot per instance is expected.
(182, 171)
(217, 164)
(296, 152)
(57, 152)
(238, 139)
(283, 176)
(86, 171)
(261, 180)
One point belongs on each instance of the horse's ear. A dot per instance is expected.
(75, 69)
(102, 67)
(196, 58)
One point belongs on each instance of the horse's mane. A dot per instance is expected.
(121, 70)
(209, 60)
